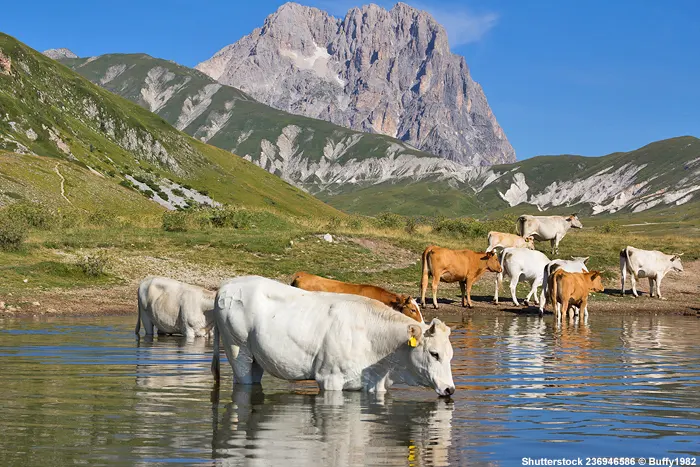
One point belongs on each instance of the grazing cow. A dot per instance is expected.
(344, 342)
(402, 303)
(174, 307)
(567, 289)
(521, 264)
(552, 228)
(463, 266)
(506, 240)
(651, 264)
(575, 264)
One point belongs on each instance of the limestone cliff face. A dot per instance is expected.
(58, 54)
(388, 72)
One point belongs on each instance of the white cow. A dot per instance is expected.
(342, 341)
(174, 308)
(575, 264)
(506, 240)
(521, 264)
(652, 264)
(542, 228)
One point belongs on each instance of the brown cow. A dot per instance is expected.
(463, 266)
(571, 289)
(506, 240)
(401, 303)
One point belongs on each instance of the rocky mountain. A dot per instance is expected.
(58, 54)
(64, 140)
(378, 71)
(662, 175)
(310, 153)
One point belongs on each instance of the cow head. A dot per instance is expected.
(596, 282)
(530, 242)
(408, 306)
(492, 263)
(574, 221)
(676, 262)
(431, 355)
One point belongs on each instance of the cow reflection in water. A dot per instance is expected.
(331, 428)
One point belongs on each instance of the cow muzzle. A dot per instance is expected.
(446, 391)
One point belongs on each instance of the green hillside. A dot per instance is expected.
(52, 117)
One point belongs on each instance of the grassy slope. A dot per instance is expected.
(666, 160)
(248, 115)
(109, 133)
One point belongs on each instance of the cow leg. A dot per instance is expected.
(634, 285)
(332, 382)
(436, 281)
(463, 286)
(623, 275)
(243, 367)
(533, 293)
(499, 282)
(513, 287)
(651, 287)
(423, 287)
(147, 324)
(469, 292)
(658, 288)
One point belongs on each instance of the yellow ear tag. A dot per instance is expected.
(412, 341)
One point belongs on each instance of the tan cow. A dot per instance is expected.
(568, 289)
(506, 240)
(402, 303)
(463, 266)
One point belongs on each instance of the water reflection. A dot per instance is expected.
(85, 391)
(331, 428)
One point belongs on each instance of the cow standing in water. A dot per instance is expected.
(402, 303)
(652, 264)
(571, 289)
(174, 308)
(344, 342)
(542, 228)
(463, 266)
(575, 264)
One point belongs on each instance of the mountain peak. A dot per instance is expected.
(58, 54)
(375, 70)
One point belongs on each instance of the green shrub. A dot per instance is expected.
(389, 220)
(127, 184)
(411, 225)
(32, 214)
(504, 224)
(178, 192)
(464, 227)
(355, 222)
(102, 218)
(94, 265)
(163, 195)
(175, 221)
(334, 223)
(230, 217)
(610, 227)
(13, 232)
(69, 217)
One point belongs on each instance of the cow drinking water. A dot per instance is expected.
(344, 342)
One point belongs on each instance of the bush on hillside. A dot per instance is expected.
(334, 223)
(355, 222)
(228, 216)
(12, 233)
(389, 220)
(175, 221)
(463, 227)
(94, 265)
(102, 218)
(34, 215)
(609, 227)
(411, 225)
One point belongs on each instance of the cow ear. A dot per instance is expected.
(415, 334)
(595, 274)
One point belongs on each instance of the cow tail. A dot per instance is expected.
(544, 298)
(425, 267)
(216, 358)
(137, 331)
(520, 225)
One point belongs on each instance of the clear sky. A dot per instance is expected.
(586, 78)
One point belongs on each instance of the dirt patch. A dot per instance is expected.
(392, 256)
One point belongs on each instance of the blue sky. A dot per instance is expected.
(561, 77)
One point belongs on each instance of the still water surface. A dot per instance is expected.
(85, 391)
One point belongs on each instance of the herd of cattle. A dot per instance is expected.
(360, 336)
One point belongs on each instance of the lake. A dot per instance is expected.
(86, 391)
